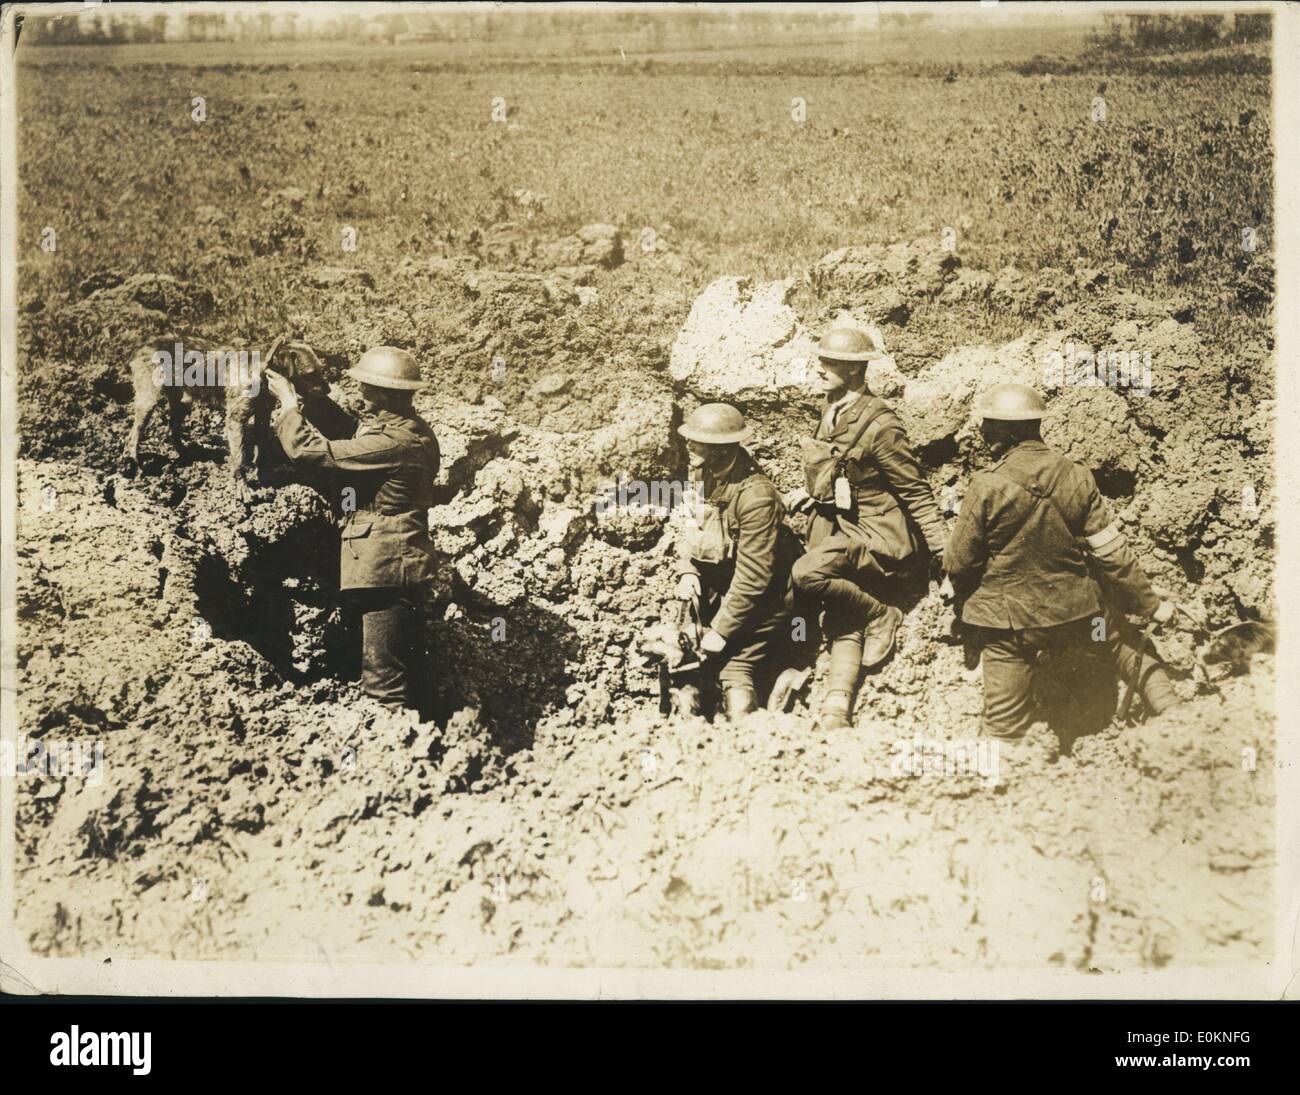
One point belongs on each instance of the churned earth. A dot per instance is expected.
(252, 803)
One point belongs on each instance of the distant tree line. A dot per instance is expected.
(94, 27)
(1200, 31)
(104, 26)
(905, 18)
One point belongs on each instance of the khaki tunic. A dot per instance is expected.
(1016, 553)
(753, 581)
(392, 464)
(888, 486)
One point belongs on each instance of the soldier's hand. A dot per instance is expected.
(798, 501)
(937, 572)
(688, 587)
(713, 643)
(280, 387)
(1177, 614)
(1164, 612)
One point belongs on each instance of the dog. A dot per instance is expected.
(672, 650)
(185, 372)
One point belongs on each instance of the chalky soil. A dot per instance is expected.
(255, 804)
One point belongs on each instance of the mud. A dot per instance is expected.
(253, 802)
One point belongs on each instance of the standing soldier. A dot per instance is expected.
(868, 499)
(386, 557)
(1018, 561)
(736, 554)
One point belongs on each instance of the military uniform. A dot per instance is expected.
(742, 553)
(1124, 646)
(386, 557)
(892, 513)
(1019, 560)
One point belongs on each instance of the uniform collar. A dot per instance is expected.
(1028, 445)
(851, 407)
(847, 398)
(741, 469)
(385, 417)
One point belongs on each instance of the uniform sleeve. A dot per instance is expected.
(1095, 510)
(682, 562)
(968, 550)
(758, 514)
(891, 451)
(1110, 550)
(436, 462)
(304, 444)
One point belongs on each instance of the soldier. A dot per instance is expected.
(735, 554)
(386, 556)
(867, 496)
(1018, 560)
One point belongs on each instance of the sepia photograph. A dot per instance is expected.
(647, 500)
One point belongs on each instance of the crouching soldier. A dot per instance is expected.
(1018, 560)
(386, 559)
(735, 554)
(868, 498)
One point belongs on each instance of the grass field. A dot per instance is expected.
(408, 153)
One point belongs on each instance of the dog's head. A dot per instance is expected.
(297, 362)
(666, 642)
(662, 642)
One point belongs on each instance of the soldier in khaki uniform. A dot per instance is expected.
(735, 554)
(1019, 562)
(386, 559)
(869, 500)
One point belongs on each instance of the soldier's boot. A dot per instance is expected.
(738, 701)
(878, 639)
(788, 685)
(1158, 691)
(836, 711)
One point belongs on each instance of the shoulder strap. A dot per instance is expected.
(1037, 491)
(877, 409)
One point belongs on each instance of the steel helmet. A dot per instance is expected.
(715, 424)
(388, 367)
(1012, 403)
(848, 344)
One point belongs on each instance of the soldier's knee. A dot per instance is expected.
(736, 674)
(1008, 712)
(1002, 728)
(808, 573)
